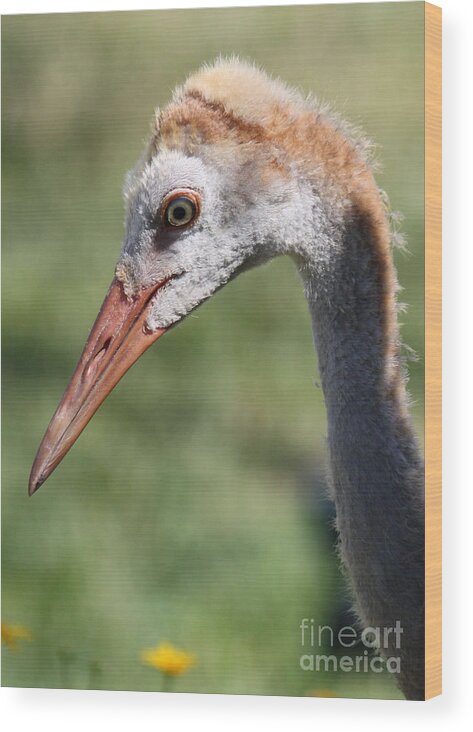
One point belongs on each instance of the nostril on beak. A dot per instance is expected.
(104, 349)
(96, 359)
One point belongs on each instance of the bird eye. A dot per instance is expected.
(181, 210)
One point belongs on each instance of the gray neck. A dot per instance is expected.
(376, 469)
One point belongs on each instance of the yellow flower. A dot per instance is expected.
(168, 659)
(325, 693)
(11, 634)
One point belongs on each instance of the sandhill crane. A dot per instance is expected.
(239, 169)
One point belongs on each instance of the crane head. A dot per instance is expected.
(212, 195)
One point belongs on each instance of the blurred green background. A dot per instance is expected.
(192, 509)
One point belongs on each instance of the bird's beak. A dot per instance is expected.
(118, 338)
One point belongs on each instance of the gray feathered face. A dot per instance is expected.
(193, 224)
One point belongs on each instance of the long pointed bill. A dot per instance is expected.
(118, 338)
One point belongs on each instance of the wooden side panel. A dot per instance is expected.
(433, 349)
